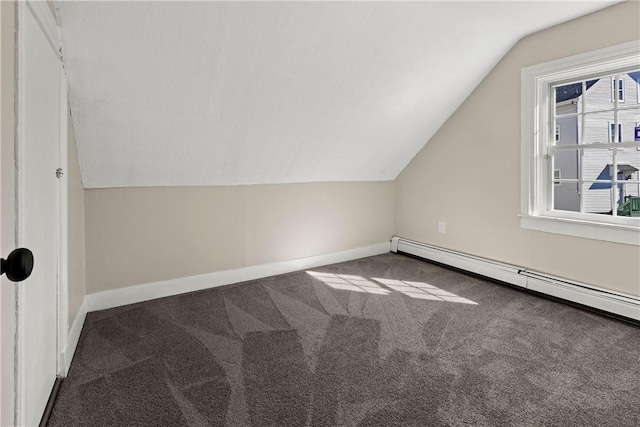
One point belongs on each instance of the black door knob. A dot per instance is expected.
(18, 265)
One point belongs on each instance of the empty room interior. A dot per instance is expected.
(320, 213)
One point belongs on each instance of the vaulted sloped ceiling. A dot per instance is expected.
(208, 93)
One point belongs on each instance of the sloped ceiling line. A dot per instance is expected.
(224, 93)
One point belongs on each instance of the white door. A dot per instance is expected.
(38, 216)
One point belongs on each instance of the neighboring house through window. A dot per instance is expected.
(580, 155)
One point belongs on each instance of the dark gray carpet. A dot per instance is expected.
(428, 346)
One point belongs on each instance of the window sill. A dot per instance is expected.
(625, 234)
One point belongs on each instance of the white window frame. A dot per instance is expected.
(617, 88)
(612, 135)
(537, 130)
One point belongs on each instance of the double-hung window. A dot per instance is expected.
(580, 154)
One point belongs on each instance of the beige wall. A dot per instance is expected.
(143, 235)
(468, 174)
(77, 288)
(7, 207)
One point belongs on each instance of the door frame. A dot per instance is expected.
(43, 15)
(7, 203)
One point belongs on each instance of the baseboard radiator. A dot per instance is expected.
(620, 304)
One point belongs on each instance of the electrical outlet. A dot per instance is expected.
(442, 227)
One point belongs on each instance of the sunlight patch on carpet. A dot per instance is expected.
(348, 282)
(419, 290)
(422, 290)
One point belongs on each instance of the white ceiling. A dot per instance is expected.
(185, 93)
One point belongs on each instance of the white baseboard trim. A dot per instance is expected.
(74, 336)
(149, 291)
(496, 270)
(591, 296)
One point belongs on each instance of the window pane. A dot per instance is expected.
(595, 164)
(597, 197)
(598, 128)
(566, 130)
(566, 164)
(599, 95)
(628, 159)
(629, 120)
(628, 164)
(629, 200)
(567, 97)
(566, 196)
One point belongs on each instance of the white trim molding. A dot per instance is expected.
(74, 338)
(44, 17)
(588, 295)
(627, 235)
(63, 251)
(591, 296)
(482, 266)
(133, 294)
(537, 145)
